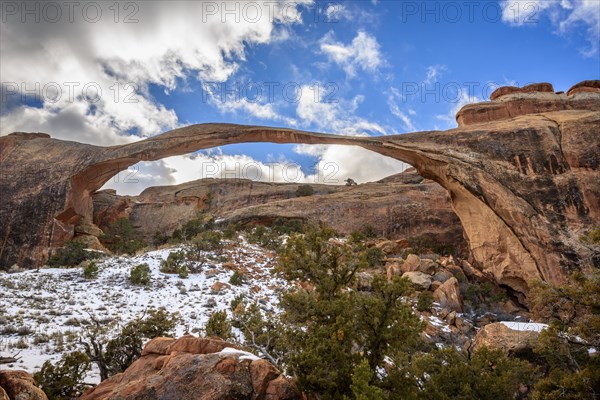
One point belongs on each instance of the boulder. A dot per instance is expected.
(442, 276)
(427, 266)
(451, 318)
(282, 388)
(470, 271)
(498, 335)
(389, 247)
(218, 287)
(262, 372)
(19, 385)
(419, 280)
(195, 368)
(448, 295)
(412, 263)
(393, 269)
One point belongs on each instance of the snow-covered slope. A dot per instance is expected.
(41, 310)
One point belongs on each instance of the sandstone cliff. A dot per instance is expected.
(522, 171)
(401, 206)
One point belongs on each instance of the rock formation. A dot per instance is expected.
(19, 385)
(499, 336)
(401, 206)
(195, 368)
(522, 171)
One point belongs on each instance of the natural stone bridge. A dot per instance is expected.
(522, 171)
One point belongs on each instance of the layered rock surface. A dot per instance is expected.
(19, 385)
(195, 368)
(400, 206)
(522, 172)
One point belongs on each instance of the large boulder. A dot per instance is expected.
(419, 280)
(511, 337)
(19, 385)
(195, 368)
(412, 263)
(448, 295)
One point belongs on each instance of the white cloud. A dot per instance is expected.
(172, 40)
(565, 15)
(338, 163)
(393, 97)
(337, 116)
(335, 12)
(434, 73)
(363, 53)
(263, 110)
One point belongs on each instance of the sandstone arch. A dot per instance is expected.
(522, 171)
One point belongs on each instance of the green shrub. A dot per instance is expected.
(357, 237)
(304, 190)
(287, 226)
(375, 257)
(140, 275)
(218, 325)
(230, 231)
(127, 346)
(176, 263)
(90, 271)
(425, 301)
(72, 254)
(264, 237)
(159, 239)
(65, 379)
(237, 300)
(120, 238)
(237, 279)
(192, 228)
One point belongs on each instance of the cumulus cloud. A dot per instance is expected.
(565, 15)
(163, 42)
(363, 53)
(334, 115)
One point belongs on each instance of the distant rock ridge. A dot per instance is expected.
(522, 171)
(400, 206)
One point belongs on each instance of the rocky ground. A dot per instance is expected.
(41, 311)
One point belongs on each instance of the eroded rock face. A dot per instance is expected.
(195, 368)
(400, 206)
(522, 172)
(498, 336)
(17, 385)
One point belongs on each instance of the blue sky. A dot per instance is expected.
(382, 67)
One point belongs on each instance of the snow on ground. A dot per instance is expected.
(524, 326)
(40, 310)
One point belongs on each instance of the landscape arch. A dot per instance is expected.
(522, 188)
